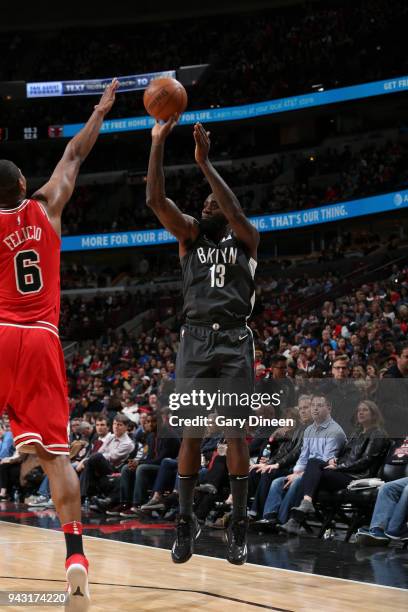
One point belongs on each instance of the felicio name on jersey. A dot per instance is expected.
(31, 232)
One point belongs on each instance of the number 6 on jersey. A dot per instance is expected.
(28, 272)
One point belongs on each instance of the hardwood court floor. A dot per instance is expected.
(131, 577)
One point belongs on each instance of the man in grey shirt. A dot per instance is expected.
(114, 451)
(323, 440)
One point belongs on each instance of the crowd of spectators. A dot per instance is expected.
(328, 177)
(358, 324)
(89, 317)
(294, 48)
(373, 169)
(79, 276)
(87, 213)
(125, 453)
(281, 283)
(85, 317)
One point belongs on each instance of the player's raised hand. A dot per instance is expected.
(160, 131)
(108, 97)
(202, 141)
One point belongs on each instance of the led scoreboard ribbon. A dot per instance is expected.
(92, 86)
(259, 109)
(265, 223)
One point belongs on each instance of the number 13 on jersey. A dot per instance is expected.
(217, 275)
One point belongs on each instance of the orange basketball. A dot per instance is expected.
(165, 97)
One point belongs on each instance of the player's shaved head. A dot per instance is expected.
(10, 187)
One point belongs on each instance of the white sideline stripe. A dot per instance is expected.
(29, 433)
(32, 433)
(56, 445)
(37, 441)
(264, 567)
(29, 327)
(28, 442)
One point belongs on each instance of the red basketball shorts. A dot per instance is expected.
(33, 387)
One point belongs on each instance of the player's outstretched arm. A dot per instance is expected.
(58, 190)
(183, 227)
(227, 200)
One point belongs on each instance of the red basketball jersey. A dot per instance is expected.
(29, 266)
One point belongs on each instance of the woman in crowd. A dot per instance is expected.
(360, 458)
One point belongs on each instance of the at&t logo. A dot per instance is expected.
(400, 199)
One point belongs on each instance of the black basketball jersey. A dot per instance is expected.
(218, 281)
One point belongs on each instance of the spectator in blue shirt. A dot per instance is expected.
(323, 440)
(6, 443)
(6, 451)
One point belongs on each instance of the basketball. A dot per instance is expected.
(165, 97)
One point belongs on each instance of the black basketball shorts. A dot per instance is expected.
(219, 363)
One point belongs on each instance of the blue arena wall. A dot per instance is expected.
(342, 211)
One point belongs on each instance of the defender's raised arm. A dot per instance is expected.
(58, 190)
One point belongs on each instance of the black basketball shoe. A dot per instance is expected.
(237, 550)
(187, 531)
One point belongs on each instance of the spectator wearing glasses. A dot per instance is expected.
(342, 393)
(278, 382)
